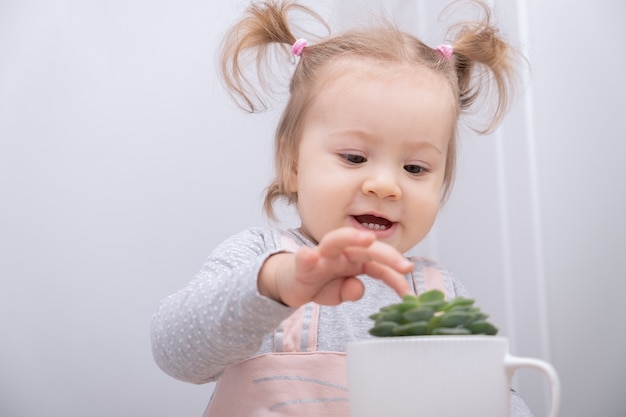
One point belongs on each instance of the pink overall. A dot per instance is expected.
(295, 380)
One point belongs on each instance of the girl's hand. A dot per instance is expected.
(327, 274)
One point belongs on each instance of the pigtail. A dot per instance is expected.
(484, 60)
(251, 48)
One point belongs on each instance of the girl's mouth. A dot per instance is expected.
(372, 222)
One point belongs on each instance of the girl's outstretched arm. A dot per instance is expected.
(219, 318)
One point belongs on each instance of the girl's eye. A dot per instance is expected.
(354, 159)
(414, 169)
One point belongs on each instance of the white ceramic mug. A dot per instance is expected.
(437, 376)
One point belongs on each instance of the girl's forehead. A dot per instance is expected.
(353, 71)
(398, 102)
(346, 75)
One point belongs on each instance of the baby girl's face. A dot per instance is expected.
(373, 153)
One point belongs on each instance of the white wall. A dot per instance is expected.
(579, 90)
(122, 164)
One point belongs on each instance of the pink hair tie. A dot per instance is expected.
(445, 50)
(298, 46)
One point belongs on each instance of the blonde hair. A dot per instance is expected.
(477, 46)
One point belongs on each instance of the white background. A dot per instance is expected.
(123, 163)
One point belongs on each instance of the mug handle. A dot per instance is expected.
(512, 363)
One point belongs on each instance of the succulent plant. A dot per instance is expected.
(431, 314)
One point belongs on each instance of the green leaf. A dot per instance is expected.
(480, 316)
(482, 327)
(375, 316)
(401, 307)
(418, 314)
(451, 331)
(455, 318)
(433, 323)
(459, 303)
(430, 296)
(383, 329)
(435, 305)
(411, 329)
(395, 316)
(410, 299)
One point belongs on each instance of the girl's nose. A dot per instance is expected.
(382, 186)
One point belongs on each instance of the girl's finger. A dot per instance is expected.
(306, 259)
(389, 276)
(330, 293)
(340, 290)
(381, 253)
(334, 243)
(352, 289)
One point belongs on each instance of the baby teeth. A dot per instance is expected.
(374, 226)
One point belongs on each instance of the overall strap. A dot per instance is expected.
(433, 280)
(298, 333)
(432, 277)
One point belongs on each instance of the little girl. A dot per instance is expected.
(365, 150)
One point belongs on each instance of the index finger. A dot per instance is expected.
(389, 276)
(335, 243)
(381, 253)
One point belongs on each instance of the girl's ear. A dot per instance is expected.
(292, 179)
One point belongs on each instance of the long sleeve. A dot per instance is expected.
(219, 318)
